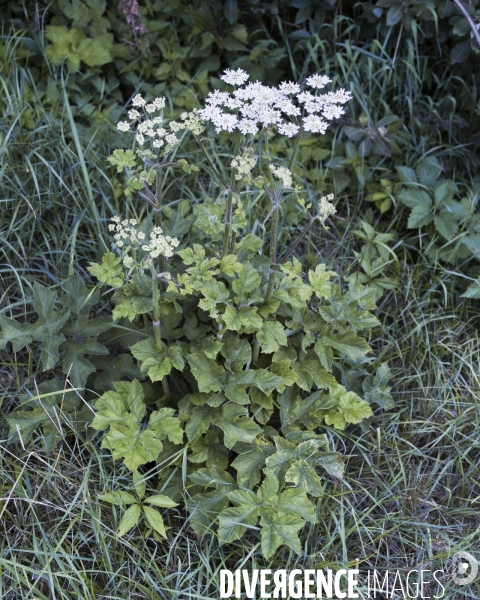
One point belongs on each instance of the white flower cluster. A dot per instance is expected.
(159, 244)
(149, 127)
(128, 237)
(326, 208)
(253, 106)
(244, 164)
(283, 174)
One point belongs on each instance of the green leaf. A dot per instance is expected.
(395, 14)
(208, 449)
(271, 336)
(129, 519)
(160, 501)
(428, 171)
(304, 476)
(414, 197)
(354, 409)
(95, 52)
(122, 159)
(348, 343)
(134, 446)
(251, 458)
(407, 175)
(247, 281)
(212, 475)
(229, 265)
(233, 521)
(155, 520)
(245, 319)
(165, 425)
(54, 408)
(157, 363)
(320, 281)
(119, 498)
(109, 272)
(65, 45)
(278, 529)
(332, 463)
(236, 425)
(446, 224)
(77, 296)
(294, 501)
(236, 384)
(473, 290)
(237, 352)
(134, 298)
(75, 365)
(420, 216)
(199, 422)
(375, 387)
(17, 333)
(206, 371)
(204, 509)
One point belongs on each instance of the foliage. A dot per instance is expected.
(241, 354)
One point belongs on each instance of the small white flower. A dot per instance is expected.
(217, 98)
(133, 222)
(150, 108)
(176, 126)
(243, 164)
(128, 262)
(133, 114)
(119, 243)
(226, 122)
(111, 227)
(288, 129)
(138, 101)
(237, 77)
(315, 124)
(283, 174)
(287, 87)
(318, 81)
(159, 103)
(141, 235)
(332, 111)
(246, 126)
(157, 143)
(123, 126)
(140, 139)
(325, 208)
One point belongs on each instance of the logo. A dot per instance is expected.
(464, 567)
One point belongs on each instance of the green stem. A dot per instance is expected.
(295, 150)
(228, 223)
(158, 214)
(156, 321)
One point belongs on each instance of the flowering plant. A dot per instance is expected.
(241, 361)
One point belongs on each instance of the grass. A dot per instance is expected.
(410, 495)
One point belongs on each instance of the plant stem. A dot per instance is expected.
(228, 223)
(158, 214)
(156, 321)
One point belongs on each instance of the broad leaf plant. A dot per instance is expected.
(225, 363)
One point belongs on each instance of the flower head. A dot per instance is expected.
(237, 77)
